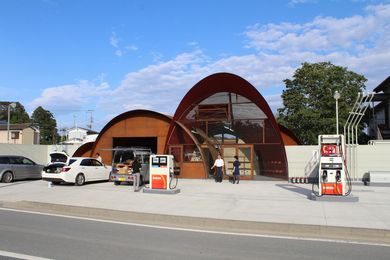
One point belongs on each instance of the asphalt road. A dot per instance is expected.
(56, 237)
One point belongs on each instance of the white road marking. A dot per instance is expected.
(21, 256)
(203, 231)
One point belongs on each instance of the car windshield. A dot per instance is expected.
(123, 156)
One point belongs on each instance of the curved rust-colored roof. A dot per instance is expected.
(274, 159)
(83, 149)
(290, 134)
(129, 114)
(223, 82)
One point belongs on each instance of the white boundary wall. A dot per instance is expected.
(37, 153)
(369, 158)
(298, 157)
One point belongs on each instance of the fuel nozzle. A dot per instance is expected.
(338, 176)
(324, 176)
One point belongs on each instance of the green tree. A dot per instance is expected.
(47, 125)
(18, 115)
(309, 105)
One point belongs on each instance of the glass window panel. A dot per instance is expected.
(245, 159)
(176, 151)
(247, 111)
(228, 157)
(219, 98)
(191, 154)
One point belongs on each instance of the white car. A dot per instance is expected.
(78, 170)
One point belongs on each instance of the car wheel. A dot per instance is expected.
(7, 177)
(117, 182)
(80, 180)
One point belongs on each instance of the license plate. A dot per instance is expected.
(122, 179)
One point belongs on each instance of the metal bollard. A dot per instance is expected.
(49, 184)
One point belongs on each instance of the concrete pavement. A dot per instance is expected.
(261, 207)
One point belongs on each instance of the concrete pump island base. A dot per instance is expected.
(330, 198)
(254, 207)
(333, 180)
(162, 177)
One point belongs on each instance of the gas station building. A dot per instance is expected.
(223, 113)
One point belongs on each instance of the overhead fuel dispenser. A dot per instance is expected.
(162, 174)
(333, 177)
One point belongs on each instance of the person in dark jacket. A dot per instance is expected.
(236, 170)
(136, 165)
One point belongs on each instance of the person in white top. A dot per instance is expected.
(219, 163)
(98, 157)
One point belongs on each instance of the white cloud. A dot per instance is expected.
(274, 101)
(114, 40)
(359, 42)
(62, 99)
(131, 47)
(296, 2)
(120, 51)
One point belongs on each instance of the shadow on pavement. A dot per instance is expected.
(297, 189)
(17, 182)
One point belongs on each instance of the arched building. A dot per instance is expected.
(223, 113)
(132, 128)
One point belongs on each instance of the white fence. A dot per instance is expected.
(367, 158)
(37, 153)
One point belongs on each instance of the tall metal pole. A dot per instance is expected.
(337, 96)
(9, 112)
(337, 117)
(13, 105)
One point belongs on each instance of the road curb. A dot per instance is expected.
(363, 235)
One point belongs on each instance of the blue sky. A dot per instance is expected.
(109, 57)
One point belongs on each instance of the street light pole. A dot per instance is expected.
(336, 97)
(13, 105)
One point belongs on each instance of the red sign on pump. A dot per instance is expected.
(330, 150)
(159, 181)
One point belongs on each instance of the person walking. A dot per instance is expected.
(219, 164)
(236, 170)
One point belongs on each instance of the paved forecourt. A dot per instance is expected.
(272, 207)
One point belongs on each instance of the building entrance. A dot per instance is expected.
(150, 142)
(245, 157)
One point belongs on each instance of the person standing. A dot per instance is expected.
(136, 165)
(236, 170)
(219, 163)
(98, 157)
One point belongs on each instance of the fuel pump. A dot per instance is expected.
(333, 177)
(162, 172)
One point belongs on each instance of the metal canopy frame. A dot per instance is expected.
(351, 131)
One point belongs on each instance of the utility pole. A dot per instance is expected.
(90, 122)
(74, 121)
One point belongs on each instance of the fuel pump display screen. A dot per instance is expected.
(159, 162)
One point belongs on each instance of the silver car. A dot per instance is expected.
(14, 167)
